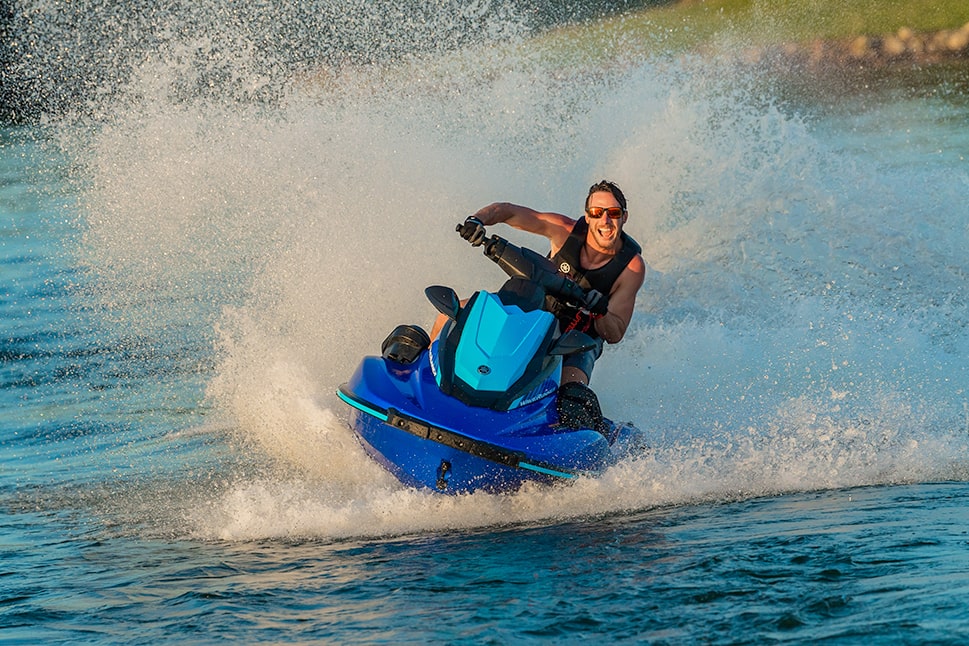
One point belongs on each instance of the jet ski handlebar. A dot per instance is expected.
(520, 262)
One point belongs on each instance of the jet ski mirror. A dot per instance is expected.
(444, 299)
(571, 342)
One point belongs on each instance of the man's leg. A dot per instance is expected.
(578, 406)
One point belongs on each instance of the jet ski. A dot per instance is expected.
(482, 407)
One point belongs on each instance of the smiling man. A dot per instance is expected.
(593, 251)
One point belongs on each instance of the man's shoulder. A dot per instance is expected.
(635, 266)
(635, 271)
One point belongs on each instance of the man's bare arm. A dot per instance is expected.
(622, 301)
(554, 226)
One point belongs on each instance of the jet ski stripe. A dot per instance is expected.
(359, 405)
(551, 472)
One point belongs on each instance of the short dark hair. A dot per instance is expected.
(608, 187)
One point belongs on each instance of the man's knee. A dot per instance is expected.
(572, 374)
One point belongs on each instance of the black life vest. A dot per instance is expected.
(567, 260)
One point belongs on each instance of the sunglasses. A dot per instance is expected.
(596, 212)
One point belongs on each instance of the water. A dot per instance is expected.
(196, 254)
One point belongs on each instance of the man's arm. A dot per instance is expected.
(554, 226)
(622, 300)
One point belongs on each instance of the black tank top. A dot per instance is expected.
(567, 260)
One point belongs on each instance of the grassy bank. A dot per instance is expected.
(769, 22)
(755, 25)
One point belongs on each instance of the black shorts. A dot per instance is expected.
(584, 361)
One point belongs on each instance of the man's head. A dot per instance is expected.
(607, 187)
(605, 212)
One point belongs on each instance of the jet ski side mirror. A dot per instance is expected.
(571, 342)
(444, 299)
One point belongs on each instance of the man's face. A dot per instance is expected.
(604, 230)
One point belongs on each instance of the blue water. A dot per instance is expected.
(195, 255)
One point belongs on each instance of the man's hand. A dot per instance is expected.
(596, 302)
(473, 231)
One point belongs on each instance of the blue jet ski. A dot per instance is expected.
(481, 407)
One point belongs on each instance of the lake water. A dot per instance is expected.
(196, 254)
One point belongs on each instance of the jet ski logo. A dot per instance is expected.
(565, 268)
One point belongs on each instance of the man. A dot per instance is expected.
(594, 252)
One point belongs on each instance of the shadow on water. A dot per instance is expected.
(858, 88)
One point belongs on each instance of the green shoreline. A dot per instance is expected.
(818, 31)
(773, 22)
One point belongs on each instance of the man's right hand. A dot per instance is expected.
(473, 231)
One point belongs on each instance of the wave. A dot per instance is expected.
(801, 326)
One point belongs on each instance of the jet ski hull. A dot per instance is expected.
(429, 440)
